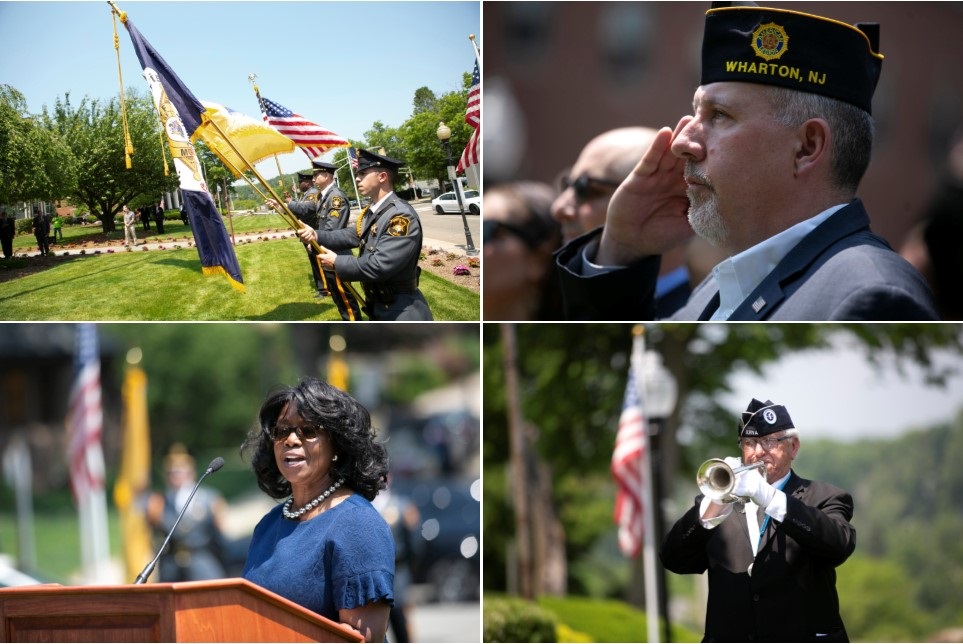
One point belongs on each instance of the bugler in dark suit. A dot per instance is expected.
(786, 590)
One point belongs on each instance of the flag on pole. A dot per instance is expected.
(253, 139)
(630, 447)
(181, 115)
(353, 158)
(313, 139)
(473, 118)
(85, 419)
(133, 479)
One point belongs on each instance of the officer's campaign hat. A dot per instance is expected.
(368, 159)
(791, 49)
(762, 418)
(305, 176)
(318, 164)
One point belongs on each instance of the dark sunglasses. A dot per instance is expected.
(491, 229)
(586, 187)
(278, 433)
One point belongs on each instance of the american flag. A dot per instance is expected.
(353, 158)
(473, 118)
(630, 446)
(85, 417)
(313, 139)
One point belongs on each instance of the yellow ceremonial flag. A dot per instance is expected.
(251, 140)
(338, 372)
(134, 477)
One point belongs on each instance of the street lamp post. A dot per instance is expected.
(660, 397)
(444, 135)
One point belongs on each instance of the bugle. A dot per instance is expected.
(716, 479)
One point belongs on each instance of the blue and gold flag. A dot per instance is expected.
(180, 114)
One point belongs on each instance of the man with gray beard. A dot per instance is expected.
(766, 169)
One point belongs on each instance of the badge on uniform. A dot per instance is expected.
(337, 202)
(398, 226)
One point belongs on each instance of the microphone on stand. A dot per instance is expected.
(215, 465)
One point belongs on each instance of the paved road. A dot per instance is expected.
(449, 229)
(445, 623)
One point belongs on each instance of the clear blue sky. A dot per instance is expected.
(343, 65)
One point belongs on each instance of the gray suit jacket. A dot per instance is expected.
(840, 271)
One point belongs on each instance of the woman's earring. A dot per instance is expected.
(335, 458)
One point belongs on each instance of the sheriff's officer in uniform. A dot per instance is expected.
(333, 213)
(388, 233)
(771, 559)
(305, 208)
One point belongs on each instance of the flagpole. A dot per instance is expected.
(645, 463)
(257, 92)
(351, 172)
(474, 47)
(281, 207)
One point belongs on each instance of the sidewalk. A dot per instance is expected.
(57, 250)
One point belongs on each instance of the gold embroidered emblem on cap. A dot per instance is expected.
(770, 41)
(398, 226)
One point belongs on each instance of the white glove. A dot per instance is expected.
(753, 485)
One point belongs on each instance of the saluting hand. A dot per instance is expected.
(647, 215)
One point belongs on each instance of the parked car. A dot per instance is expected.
(448, 202)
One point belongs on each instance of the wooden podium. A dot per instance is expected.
(223, 610)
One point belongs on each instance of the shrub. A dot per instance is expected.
(516, 620)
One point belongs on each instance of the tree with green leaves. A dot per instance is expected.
(35, 162)
(93, 130)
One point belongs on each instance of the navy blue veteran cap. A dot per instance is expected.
(762, 418)
(323, 165)
(305, 176)
(368, 159)
(792, 49)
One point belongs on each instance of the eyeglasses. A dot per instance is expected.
(491, 229)
(310, 433)
(768, 443)
(587, 187)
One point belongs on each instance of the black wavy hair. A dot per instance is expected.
(362, 462)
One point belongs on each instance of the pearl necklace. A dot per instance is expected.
(294, 516)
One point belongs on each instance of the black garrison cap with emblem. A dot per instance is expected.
(791, 49)
(318, 164)
(762, 418)
(368, 159)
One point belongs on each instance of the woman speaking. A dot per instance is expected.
(325, 548)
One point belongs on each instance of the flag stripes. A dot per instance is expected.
(630, 446)
(313, 139)
(85, 417)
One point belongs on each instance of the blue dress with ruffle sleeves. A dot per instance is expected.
(342, 558)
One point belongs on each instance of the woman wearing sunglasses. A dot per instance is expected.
(325, 548)
(519, 238)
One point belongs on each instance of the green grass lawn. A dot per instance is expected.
(169, 285)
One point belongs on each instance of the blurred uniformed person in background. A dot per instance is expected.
(389, 235)
(333, 213)
(305, 208)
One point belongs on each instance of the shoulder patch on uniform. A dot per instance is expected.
(334, 213)
(398, 226)
(311, 197)
(337, 202)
